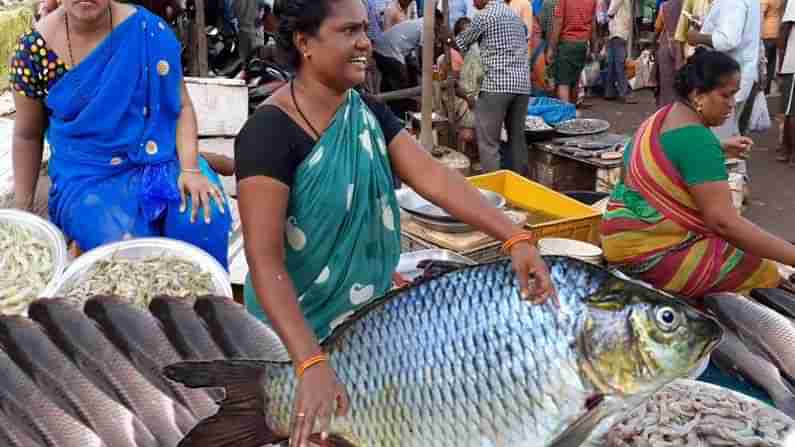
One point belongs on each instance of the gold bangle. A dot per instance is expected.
(524, 236)
(192, 171)
(310, 362)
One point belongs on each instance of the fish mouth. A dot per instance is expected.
(706, 327)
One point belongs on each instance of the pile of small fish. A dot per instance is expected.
(689, 413)
(109, 373)
(141, 280)
(26, 266)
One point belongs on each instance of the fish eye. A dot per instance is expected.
(666, 318)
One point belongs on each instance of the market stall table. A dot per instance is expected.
(562, 165)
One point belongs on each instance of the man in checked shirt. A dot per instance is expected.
(505, 93)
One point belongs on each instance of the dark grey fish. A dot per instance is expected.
(13, 434)
(82, 340)
(139, 336)
(187, 332)
(29, 407)
(779, 300)
(183, 327)
(28, 345)
(239, 334)
(763, 330)
(734, 358)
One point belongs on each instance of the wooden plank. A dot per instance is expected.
(221, 105)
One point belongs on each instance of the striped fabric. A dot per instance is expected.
(671, 247)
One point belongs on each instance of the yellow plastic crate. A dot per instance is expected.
(577, 220)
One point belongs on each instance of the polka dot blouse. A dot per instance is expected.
(34, 67)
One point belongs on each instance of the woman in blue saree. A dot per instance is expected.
(321, 224)
(102, 82)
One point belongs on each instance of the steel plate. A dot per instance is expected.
(416, 205)
(408, 261)
(592, 126)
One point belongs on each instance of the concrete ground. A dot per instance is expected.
(771, 204)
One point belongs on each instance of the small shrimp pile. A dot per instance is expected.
(697, 414)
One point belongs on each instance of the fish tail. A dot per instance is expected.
(241, 420)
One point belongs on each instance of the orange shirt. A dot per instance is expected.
(578, 19)
(771, 18)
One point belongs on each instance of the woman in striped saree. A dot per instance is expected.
(670, 221)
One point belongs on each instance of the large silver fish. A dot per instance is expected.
(81, 339)
(58, 377)
(461, 360)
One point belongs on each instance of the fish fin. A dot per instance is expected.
(231, 430)
(217, 373)
(779, 300)
(240, 420)
(579, 431)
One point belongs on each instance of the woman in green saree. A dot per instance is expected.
(321, 223)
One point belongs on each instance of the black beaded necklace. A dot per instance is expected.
(69, 36)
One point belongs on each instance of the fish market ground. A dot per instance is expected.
(772, 201)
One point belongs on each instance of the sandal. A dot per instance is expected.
(782, 155)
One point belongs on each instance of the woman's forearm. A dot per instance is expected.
(277, 296)
(752, 239)
(187, 134)
(26, 159)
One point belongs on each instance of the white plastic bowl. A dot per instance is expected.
(142, 248)
(570, 247)
(48, 233)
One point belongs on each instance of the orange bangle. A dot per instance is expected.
(310, 362)
(524, 236)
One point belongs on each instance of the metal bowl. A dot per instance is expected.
(409, 261)
(416, 205)
(48, 232)
(596, 126)
(141, 249)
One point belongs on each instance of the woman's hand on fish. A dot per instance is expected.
(527, 262)
(737, 147)
(319, 397)
(201, 192)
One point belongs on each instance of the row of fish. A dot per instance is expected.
(456, 360)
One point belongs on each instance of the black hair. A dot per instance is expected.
(458, 28)
(298, 16)
(704, 71)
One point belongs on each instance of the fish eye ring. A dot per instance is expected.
(666, 318)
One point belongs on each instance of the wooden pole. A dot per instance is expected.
(411, 92)
(452, 117)
(201, 40)
(428, 38)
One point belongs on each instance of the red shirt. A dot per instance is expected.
(578, 17)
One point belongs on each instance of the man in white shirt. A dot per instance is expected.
(786, 154)
(734, 27)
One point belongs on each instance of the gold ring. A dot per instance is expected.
(300, 415)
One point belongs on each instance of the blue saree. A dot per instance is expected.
(112, 132)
